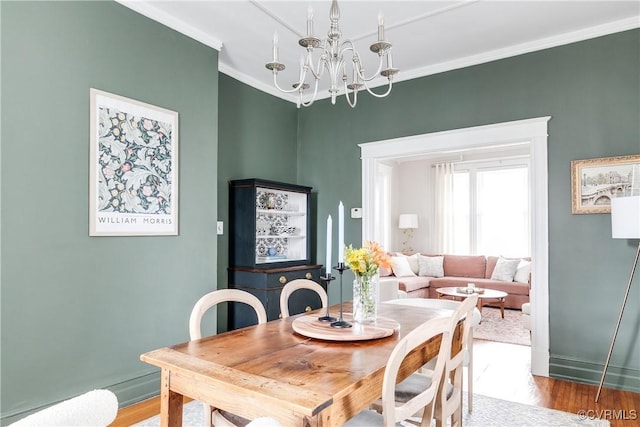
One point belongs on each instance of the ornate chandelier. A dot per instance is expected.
(335, 56)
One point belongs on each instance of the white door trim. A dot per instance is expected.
(533, 131)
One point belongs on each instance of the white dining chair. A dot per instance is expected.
(195, 332)
(450, 305)
(421, 401)
(449, 400)
(295, 285)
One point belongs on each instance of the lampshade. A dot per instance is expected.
(625, 217)
(408, 221)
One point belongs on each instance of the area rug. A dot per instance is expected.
(508, 330)
(487, 412)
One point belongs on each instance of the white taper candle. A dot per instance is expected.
(380, 26)
(275, 47)
(309, 22)
(340, 232)
(328, 261)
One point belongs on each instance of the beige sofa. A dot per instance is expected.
(459, 270)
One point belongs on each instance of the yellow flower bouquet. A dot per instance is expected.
(365, 263)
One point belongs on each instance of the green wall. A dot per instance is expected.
(592, 91)
(257, 139)
(77, 311)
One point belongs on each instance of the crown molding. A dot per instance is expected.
(152, 12)
(520, 49)
(256, 84)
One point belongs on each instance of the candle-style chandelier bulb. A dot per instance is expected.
(335, 58)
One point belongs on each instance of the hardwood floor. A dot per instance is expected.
(502, 371)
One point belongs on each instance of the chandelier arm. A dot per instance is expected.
(275, 82)
(344, 48)
(317, 74)
(379, 95)
(346, 95)
(313, 98)
(376, 74)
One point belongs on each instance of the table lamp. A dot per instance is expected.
(407, 223)
(625, 224)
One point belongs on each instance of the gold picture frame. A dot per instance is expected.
(594, 182)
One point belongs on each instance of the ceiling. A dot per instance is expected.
(428, 36)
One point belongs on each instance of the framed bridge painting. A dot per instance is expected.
(594, 182)
(133, 173)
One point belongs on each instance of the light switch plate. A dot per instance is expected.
(220, 228)
(356, 212)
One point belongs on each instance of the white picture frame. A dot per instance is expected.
(133, 173)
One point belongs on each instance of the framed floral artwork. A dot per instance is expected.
(133, 173)
(594, 182)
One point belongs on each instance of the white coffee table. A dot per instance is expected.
(483, 296)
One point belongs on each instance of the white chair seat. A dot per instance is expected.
(368, 418)
(415, 384)
(411, 386)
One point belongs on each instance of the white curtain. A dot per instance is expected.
(443, 208)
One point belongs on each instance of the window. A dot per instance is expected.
(491, 209)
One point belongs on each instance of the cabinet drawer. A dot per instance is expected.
(282, 278)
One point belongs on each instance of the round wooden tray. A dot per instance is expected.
(311, 327)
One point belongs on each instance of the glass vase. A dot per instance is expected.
(365, 298)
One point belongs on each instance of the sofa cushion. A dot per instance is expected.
(384, 271)
(505, 269)
(523, 272)
(413, 261)
(491, 264)
(400, 266)
(431, 266)
(411, 284)
(465, 265)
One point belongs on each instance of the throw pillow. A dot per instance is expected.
(413, 261)
(505, 269)
(401, 266)
(432, 266)
(522, 272)
(384, 272)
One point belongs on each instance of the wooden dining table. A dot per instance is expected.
(271, 370)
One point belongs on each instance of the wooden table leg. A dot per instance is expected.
(170, 403)
(480, 306)
(502, 307)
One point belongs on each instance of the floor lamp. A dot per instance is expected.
(625, 224)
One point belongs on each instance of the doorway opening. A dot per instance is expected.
(377, 155)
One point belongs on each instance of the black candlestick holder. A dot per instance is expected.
(327, 278)
(341, 323)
